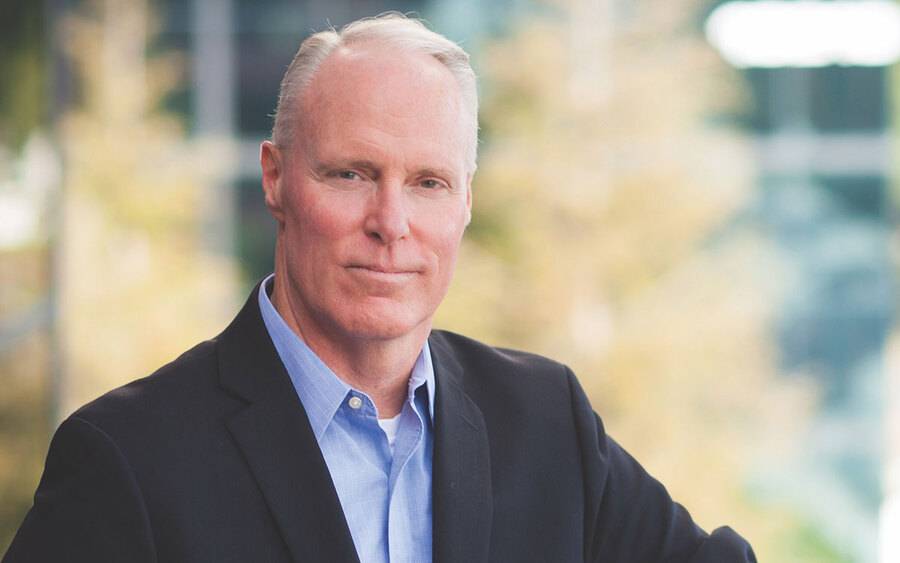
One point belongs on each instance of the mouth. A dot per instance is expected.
(385, 270)
(380, 275)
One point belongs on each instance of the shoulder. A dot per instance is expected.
(177, 395)
(509, 384)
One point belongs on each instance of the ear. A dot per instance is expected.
(272, 164)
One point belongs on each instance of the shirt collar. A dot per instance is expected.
(320, 390)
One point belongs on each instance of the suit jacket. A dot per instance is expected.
(212, 459)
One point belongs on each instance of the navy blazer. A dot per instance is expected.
(212, 459)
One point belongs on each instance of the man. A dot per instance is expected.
(329, 422)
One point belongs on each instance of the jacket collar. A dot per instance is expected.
(461, 473)
(274, 434)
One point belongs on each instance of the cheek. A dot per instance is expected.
(319, 221)
(444, 237)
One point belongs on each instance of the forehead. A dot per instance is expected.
(371, 93)
(385, 77)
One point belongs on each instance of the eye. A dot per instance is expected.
(348, 175)
(432, 184)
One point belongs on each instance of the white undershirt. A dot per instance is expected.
(390, 425)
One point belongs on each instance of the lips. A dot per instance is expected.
(379, 269)
(380, 280)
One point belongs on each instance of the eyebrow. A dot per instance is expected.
(440, 172)
(366, 165)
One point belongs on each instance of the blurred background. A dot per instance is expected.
(692, 203)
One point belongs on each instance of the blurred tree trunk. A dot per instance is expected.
(138, 285)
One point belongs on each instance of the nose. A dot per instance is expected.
(387, 219)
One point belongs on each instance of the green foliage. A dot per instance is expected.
(22, 91)
(805, 542)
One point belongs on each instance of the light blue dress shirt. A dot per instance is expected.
(385, 495)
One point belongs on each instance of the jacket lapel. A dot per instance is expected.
(461, 483)
(275, 437)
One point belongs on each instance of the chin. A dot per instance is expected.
(380, 324)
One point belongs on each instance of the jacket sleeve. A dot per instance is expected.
(88, 506)
(629, 515)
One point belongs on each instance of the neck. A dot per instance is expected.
(380, 368)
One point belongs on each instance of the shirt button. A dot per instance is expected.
(355, 402)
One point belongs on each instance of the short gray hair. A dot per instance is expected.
(393, 29)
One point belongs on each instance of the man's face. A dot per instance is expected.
(372, 196)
